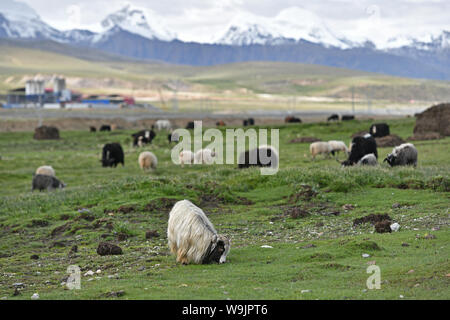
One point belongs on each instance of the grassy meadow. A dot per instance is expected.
(305, 213)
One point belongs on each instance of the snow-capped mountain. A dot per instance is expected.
(18, 20)
(138, 21)
(290, 25)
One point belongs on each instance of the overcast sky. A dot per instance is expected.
(199, 19)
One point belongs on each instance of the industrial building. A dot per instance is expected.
(36, 95)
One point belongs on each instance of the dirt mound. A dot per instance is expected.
(425, 136)
(151, 234)
(296, 212)
(46, 133)
(105, 248)
(305, 193)
(389, 141)
(305, 140)
(372, 218)
(434, 119)
(383, 226)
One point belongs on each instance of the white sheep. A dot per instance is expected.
(204, 156)
(368, 159)
(163, 124)
(192, 237)
(46, 170)
(186, 156)
(147, 160)
(320, 147)
(337, 146)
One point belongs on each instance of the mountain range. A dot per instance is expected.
(294, 35)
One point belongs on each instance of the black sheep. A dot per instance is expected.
(143, 136)
(93, 129)
(190, 125)
(292, 119)
(333, 117)
(348, 117)
(105, 127)
(379, 130)
(112, 155)
(360, 147)
(255, 156)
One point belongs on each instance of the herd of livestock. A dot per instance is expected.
(191, 236)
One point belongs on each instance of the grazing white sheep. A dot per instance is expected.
(368, 159)
(204, 156)
(402, 155)
(187, 157)
(192, 237)
(46, 170)
(337, 146)
(320, 147)
(147, 160)
(163, 124)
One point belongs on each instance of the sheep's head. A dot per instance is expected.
(220, 246)
(390, 159)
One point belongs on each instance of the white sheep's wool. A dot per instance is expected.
(192, 237)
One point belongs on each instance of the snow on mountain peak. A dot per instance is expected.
(14, 10)
(136, 20)
(293, 23)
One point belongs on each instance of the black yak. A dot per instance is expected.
(359, 148)
(112, 155)
(379, 130)
(346, 117)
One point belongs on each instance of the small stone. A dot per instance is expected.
(416, 285)
(396, 205)
(411, 271)
(435, 229)
(365, 255)
(267, 247)
(401, 296)
(305, 291)
(395, 227)
(89, 273)
(35, 296)
(141, 268)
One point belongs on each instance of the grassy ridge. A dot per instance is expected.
(237, 81)
(320, 251)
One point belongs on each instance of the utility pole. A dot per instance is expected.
(353, 100)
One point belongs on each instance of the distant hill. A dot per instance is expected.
(136, 34)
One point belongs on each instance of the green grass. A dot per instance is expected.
(253, 210)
